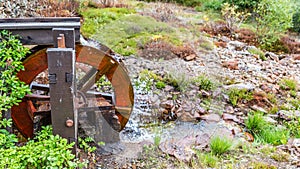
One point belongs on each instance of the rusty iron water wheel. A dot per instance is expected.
(104, 64)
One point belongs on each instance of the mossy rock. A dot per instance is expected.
(129, 33)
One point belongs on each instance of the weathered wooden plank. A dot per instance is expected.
(38, 31)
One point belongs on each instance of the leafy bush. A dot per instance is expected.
(233, 18)
(274, 17)
(11, 54)
(214, 5)
(248, 5)
(48, 151)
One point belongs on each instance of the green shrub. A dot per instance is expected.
(11, 54)
(274, 135)
(214, 5)
(288, 84)
(47, 151)
(273, 18)
(219, 146)
(255, 123)
(245, 5)
(296, 17)
(204, 83)
(160, 85)
(236, 95)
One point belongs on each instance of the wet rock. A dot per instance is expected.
(257, 108)
(272, 55)
(181, 149)
(231, 117)
(211, 117)
(240, 86)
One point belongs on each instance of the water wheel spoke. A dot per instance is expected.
(37, 97)
(123, 111)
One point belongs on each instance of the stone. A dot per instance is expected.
(190, 57)
(229, 109)
(247, 86)
(257, 108)
(231, 117)
(211, 117)
(231, 64)
(168, 104)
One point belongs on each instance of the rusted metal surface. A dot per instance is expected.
(122, 103)
(38, 31)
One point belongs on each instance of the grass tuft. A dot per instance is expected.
(219, 146)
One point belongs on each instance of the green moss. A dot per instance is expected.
(96, 18)
(258, 52)
(262, 165)
(160, 85)
(124, 35)
(288, 84)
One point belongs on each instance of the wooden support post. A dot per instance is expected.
(61, 65)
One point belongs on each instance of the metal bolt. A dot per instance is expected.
(69, 123)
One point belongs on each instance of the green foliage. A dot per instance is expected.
(255, 123)
(265, 132)
(243, 5)
(258, 52)
(7, 140)
(219, 146)
(160, 85)
(274, 135)
(214, 5)
(179, 80)
(274, 18)
(205, 160)
(288, 84)
(48, 151)
(232, 17)
(147, 79)
(204, 83)
(296, 17)
(129, 32)
(84, 144)
(294, 127)
(236, 95)
(262, 165)
(11, 54)
(94, 18)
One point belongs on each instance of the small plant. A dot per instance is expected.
(255, 123)
(288, 84)
(233, 18)
(219, 146)
(205, 160)
(262, 165)
(274, 135)
(294, 127)
(236, 95)
(204, 83)
(160, 85)
(258, 52)
(83, 143)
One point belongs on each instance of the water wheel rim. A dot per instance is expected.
(116, 74)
